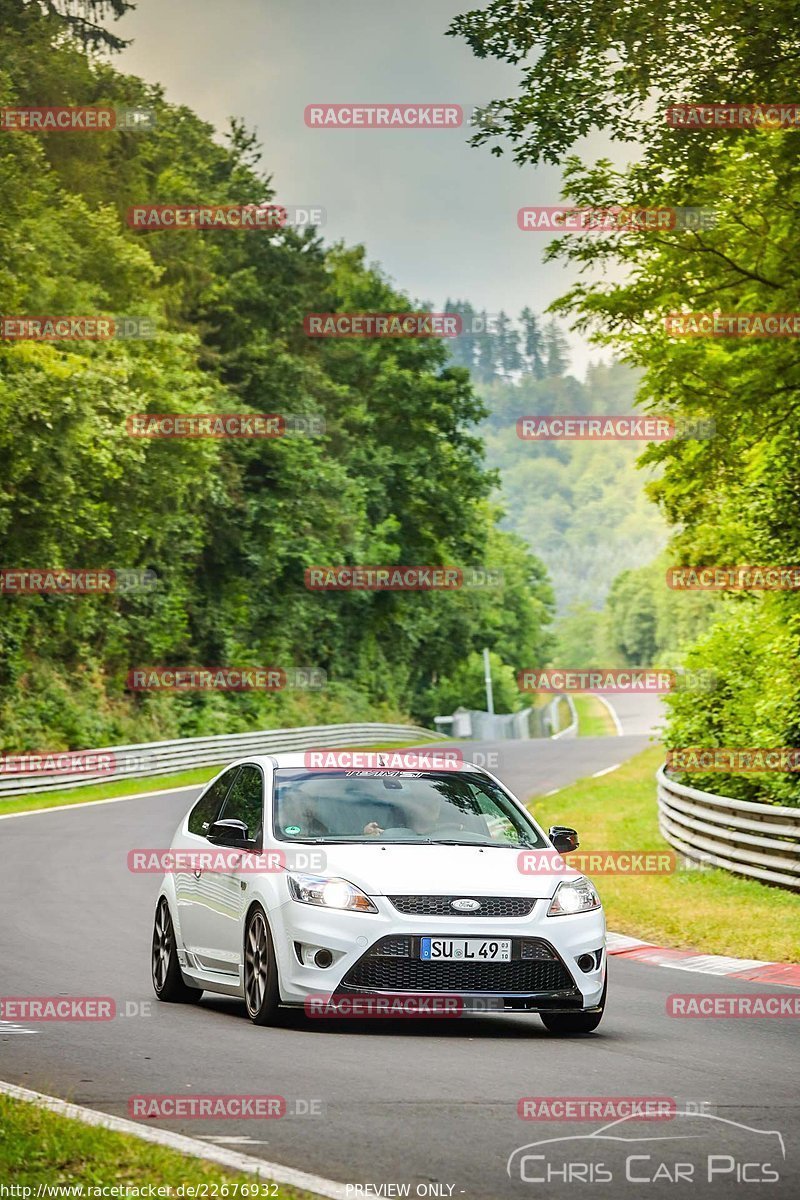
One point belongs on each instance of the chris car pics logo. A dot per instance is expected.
(696, 1147)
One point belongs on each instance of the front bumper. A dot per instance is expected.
(543, 976)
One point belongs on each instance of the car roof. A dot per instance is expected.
(362, 758)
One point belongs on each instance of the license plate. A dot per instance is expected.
(465, 949)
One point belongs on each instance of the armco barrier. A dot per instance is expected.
(758, 840)
(164, 758)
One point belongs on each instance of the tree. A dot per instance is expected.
(228, 526)
(533, 344)
(610, 68)
(508, 356)
(556, 350)
(732, 497)
(82, 19)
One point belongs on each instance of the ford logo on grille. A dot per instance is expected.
(465, 905)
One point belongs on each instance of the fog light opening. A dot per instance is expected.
(323, 958)
(586, 962)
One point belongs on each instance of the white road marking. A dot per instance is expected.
(11, 1027)
(716, 964)
(230, 1141)
(552, 792)
(615, 942)
(612, 713)
(606, 771)
(231, 1159)
(700, 964)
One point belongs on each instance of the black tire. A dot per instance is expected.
(261, 989)
(168, 982)
(570, 1023)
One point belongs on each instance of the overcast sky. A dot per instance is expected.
(437, 214)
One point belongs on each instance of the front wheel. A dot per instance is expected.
(261, 992)
(567, 1023)
(168, 981)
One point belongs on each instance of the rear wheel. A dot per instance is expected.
(168, 981)
(261, 992)
(568, 1023)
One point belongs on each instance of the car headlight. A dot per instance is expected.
(573, 896)
(329, 893)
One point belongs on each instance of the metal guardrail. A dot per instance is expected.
(761, 841)
(571, 730)
(478, 725)
(164, 758)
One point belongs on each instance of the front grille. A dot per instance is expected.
(535, 967)
(394, 947)
(440, 906)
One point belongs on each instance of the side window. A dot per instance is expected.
(207, 808)
(246, 800)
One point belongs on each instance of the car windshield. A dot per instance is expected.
(441, 808)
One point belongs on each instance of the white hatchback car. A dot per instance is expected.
(381, 883)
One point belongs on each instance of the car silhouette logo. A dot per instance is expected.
(465, 905)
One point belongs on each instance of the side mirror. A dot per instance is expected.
(563, 838)
(229, 833)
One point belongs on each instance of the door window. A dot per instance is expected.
(206, 811)
(245, 801)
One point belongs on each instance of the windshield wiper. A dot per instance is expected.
(501, 845)
(360, 839)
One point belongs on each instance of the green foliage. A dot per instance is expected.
(227, 527)
(732, 498)
(754, 653)
(466, 688)
(610, 67)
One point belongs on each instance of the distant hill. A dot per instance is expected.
(580, 506)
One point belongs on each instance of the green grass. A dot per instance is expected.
(37, 1146)
(564, 715)
(594, 719)
(706, 910)
(107, 791)
(135, 787)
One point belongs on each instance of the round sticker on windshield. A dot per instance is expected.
(292, 829)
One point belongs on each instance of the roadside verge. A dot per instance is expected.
(703, 910)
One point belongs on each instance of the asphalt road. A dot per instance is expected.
(399, 1102)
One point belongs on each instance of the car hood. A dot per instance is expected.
(386, 870)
